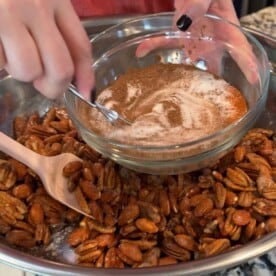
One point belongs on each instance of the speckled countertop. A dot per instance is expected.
(263, 21)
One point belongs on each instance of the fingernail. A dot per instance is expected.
(93, 95)
(184, 22)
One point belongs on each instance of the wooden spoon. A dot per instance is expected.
(49, 169)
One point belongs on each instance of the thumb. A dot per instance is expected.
(188, 11)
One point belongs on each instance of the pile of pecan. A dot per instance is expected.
(140, 220)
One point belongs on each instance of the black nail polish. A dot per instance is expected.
(93, 95)
(184, 22)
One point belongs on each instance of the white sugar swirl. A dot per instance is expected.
(191, 107)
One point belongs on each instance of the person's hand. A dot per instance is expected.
(189, 16)
(43, 42)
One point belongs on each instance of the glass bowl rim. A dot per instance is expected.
(195, 142)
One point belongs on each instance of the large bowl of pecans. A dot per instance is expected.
(144, 224)
(189, 99)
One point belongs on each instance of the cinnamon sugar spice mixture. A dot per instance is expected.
(168, 104)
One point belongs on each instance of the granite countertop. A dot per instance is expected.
(263, 21)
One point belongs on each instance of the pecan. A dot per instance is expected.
(24, 226)
(239, 153)
(61, 126)
(186, 242)
(231, 198)
(172, 249)
(260, 230)
(230, 184)
(42, 234)
(270, 224)
(86, 248)
(241, 217)
(245, 199)
(89, 256)
(36, 214)
(111, 259)
(89, 189)
(20, 238)
(106, 240)
(78, 235)
(96, 211)
(142, 244)
(73, 181)
(81, 200)
(150, 258)
(41, 131)
(50, 206)
(167, 261)
(150, 211)
(146, 225)
(22, 191)
(266, 185)
(203, 207)
(71, 168)
(259, 139)
(164, 203)
(129, 214)
(99, 227)
(131, 250)
(88, 174)
(265, 206)
(258, 160)
(7, 176)
(19, 126)
(20, 169)
(4, 226)
(196, 199)
(72, 216)
(239, 177)
(12, 206)
(250, 228)
(220, 194)
(214, 247)
(124, 258)
(267, 132)
(87, 153)
(100, 261)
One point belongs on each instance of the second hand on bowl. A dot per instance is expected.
(49, 169)
(111, 115)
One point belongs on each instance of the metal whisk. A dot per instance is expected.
(111, 115)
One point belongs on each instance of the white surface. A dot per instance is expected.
(10, 271)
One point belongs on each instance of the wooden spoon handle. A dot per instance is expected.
(14, 149)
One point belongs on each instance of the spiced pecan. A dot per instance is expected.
(132, 251)
(78, 235)
(129, 214)
(270, 224)
(20, 238)
(214, 247)
(241, 217)
(22, 191)
(140, 220)
(146, 225)
(7, 176)
(42, 234)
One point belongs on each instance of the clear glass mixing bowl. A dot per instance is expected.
(114, 53)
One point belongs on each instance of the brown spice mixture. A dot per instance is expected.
(168, 104)
(140, 220)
